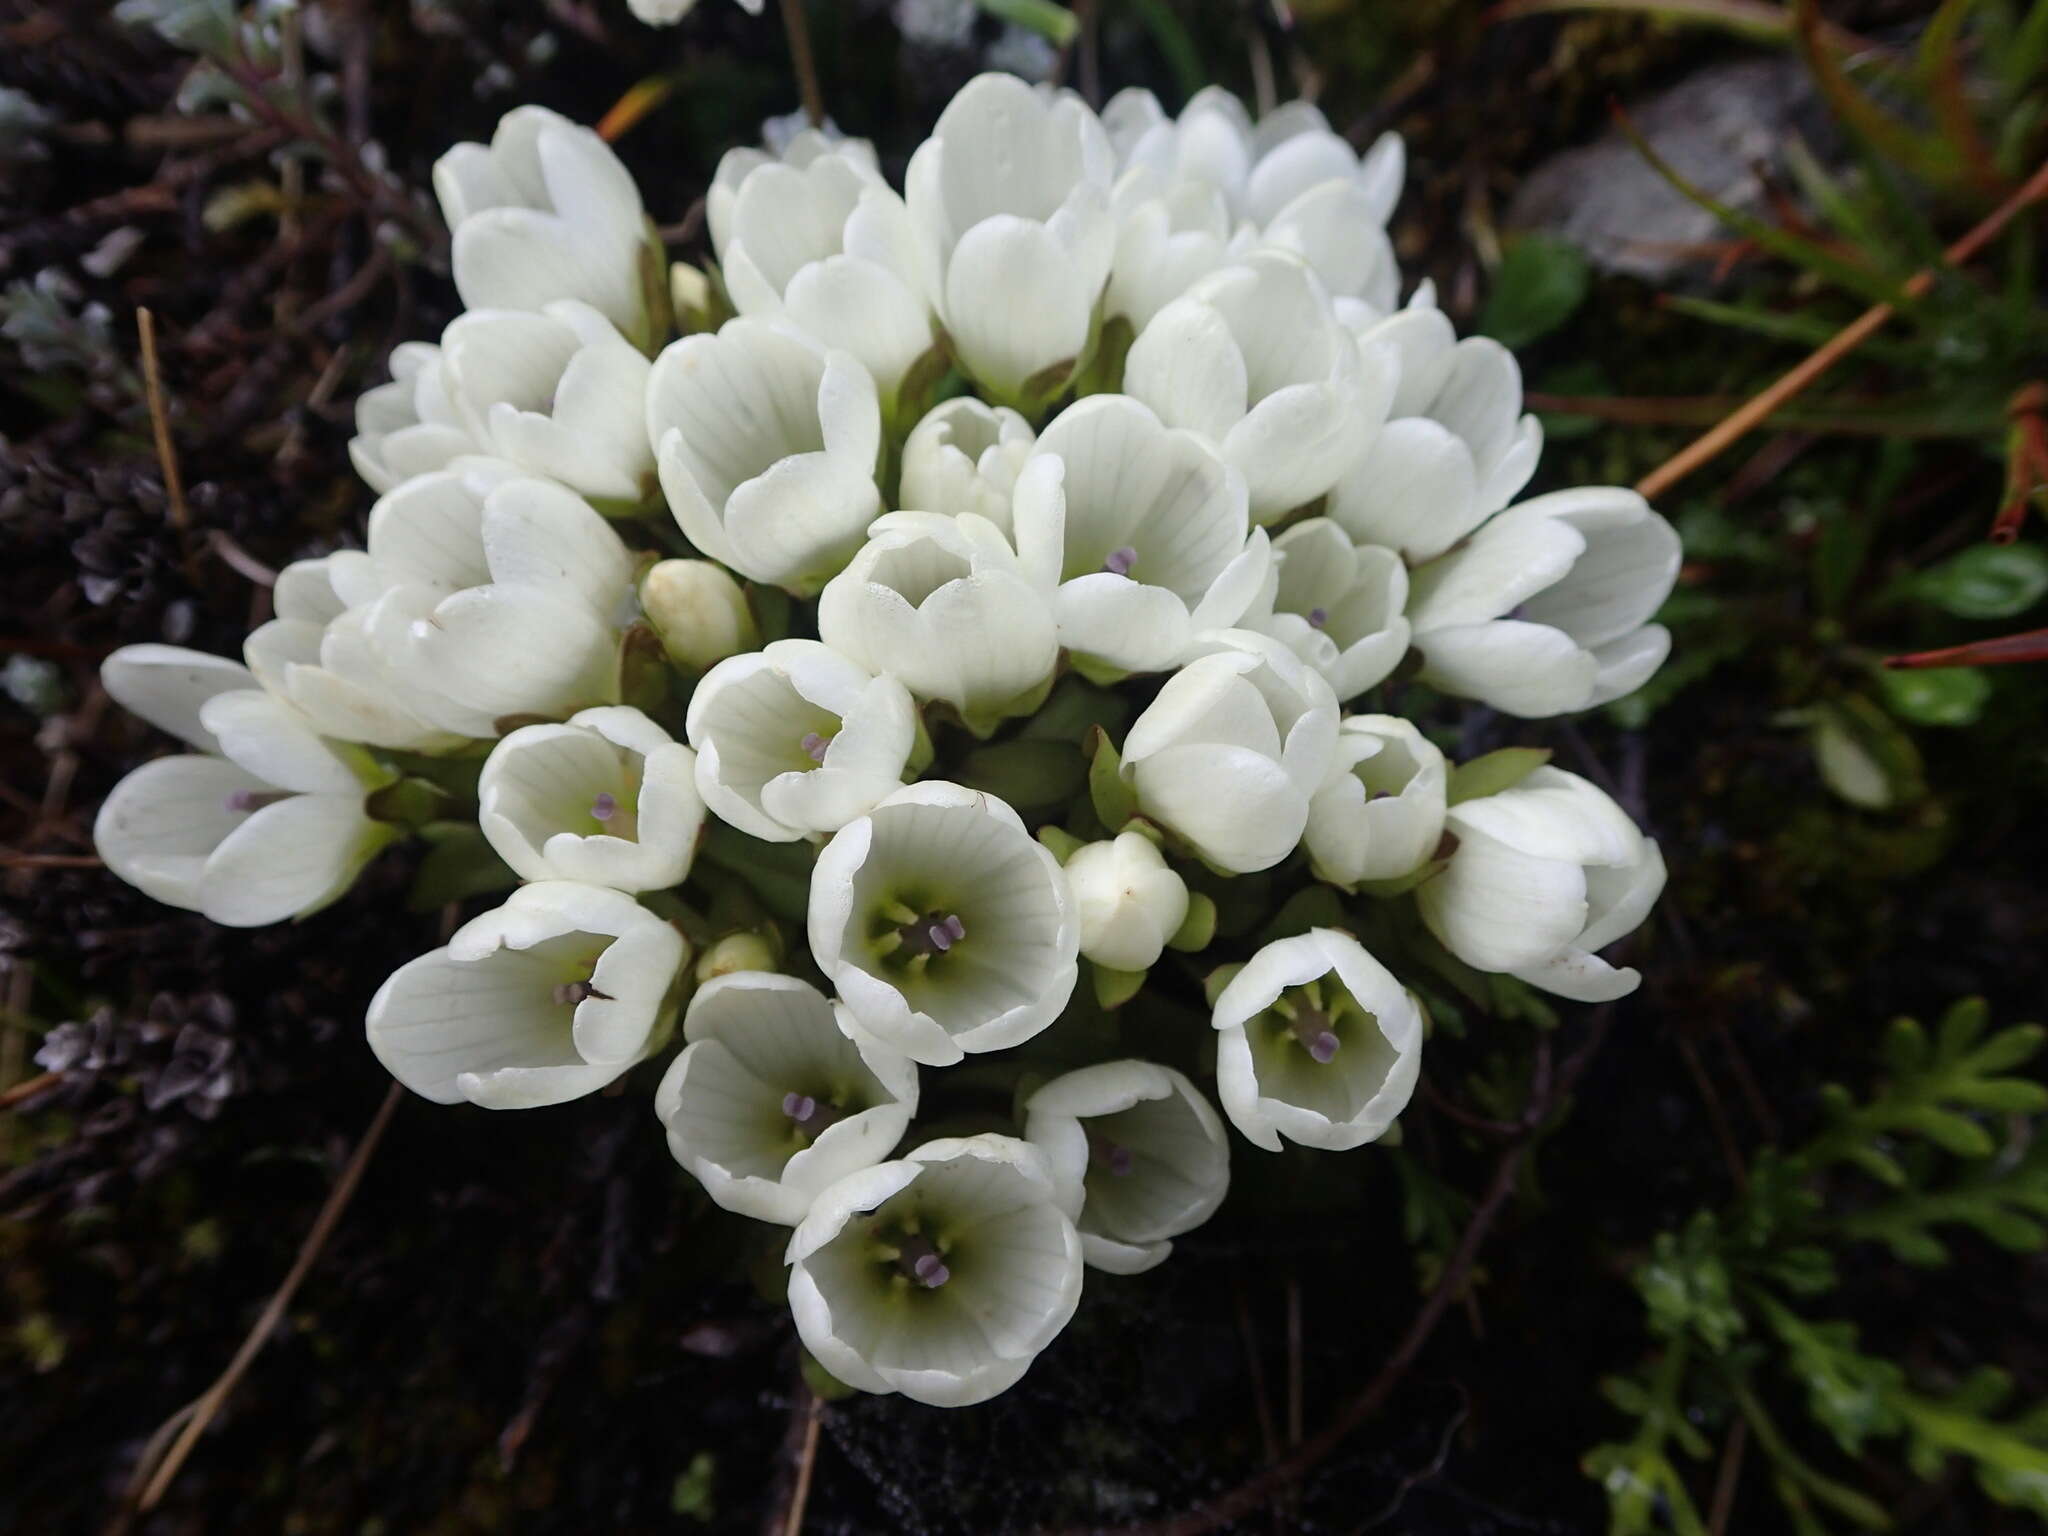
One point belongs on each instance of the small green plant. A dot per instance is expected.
(1732, 1297)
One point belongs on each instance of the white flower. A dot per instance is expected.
(409, 426)
(483, 594)
(498, 599)
(1011, 196)
(1546, 609)
(1380, 815)
(549, 997)
(666, 13)
(1138, 1154)
(1128, 900)
(1544, 874)
(547, 212)
(1338, 605)
(1168, 234)
(316, 656)
(789, 141)
(767, 447)
(828, 244)
(1334, 227)
(796, 740)
(1253, 358)
(1316, 1042)
(1144, 531)
(944, 604)
(1229, 752)
(1457, 446)
(769, 1103)
(943, 925)
(267, 824)
(965, 457)
(559, 392)
(606, 799)
(699, 611)
(940, 1276)
(1258, 170)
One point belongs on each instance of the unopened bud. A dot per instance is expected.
(699, 611)
(748, 950)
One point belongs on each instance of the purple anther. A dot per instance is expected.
(255, 799)
(930, 1271)
(1120, 561)
(1318, 617)
(604, 808)
(814, 746)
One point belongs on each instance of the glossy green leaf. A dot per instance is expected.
(1541, 281)
(1950, 696)
(1987, 581)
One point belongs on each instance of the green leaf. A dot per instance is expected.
(1941, 696)
(1542, 280)
(1987, 581)
(779, 874)
(1933, 1084)
(1112, 797)
(1864, 758)
(1055, 23)
(1030, 775)
(459, 865)
(1686, 1288)
(1494, 772)
(1115, 988)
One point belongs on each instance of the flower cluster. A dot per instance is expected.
(979, 590)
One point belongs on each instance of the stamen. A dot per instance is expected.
(814, 746)
(1112, 1155)
(809, 1115)
(1311, 1026)
(569, 993)
(255, 799)
(1120, 561)
(921, 1262)
(604, 808)
(925, 935)
(1318, 617)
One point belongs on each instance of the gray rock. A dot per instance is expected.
(1716, 128)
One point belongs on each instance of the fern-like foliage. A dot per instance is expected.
(1940, 1143)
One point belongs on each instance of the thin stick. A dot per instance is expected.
(209, 1402)
(27, 1088)
(800, 1496)
(797, 27)
(1730, 1478)
(49, 861)
(1294, 1373)
(160, 421)
(1704, 449)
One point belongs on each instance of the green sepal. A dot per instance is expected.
(1198, 928)
(1064, 844)
(1111, 796)
(1115, 988)
(460, 863)
(1494, 772)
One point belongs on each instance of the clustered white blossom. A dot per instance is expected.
(1105, 453)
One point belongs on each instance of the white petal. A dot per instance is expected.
(167, 684)
(289, 859)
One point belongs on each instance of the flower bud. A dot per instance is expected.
(1129, 902)
(751, 949)
(699, 611)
